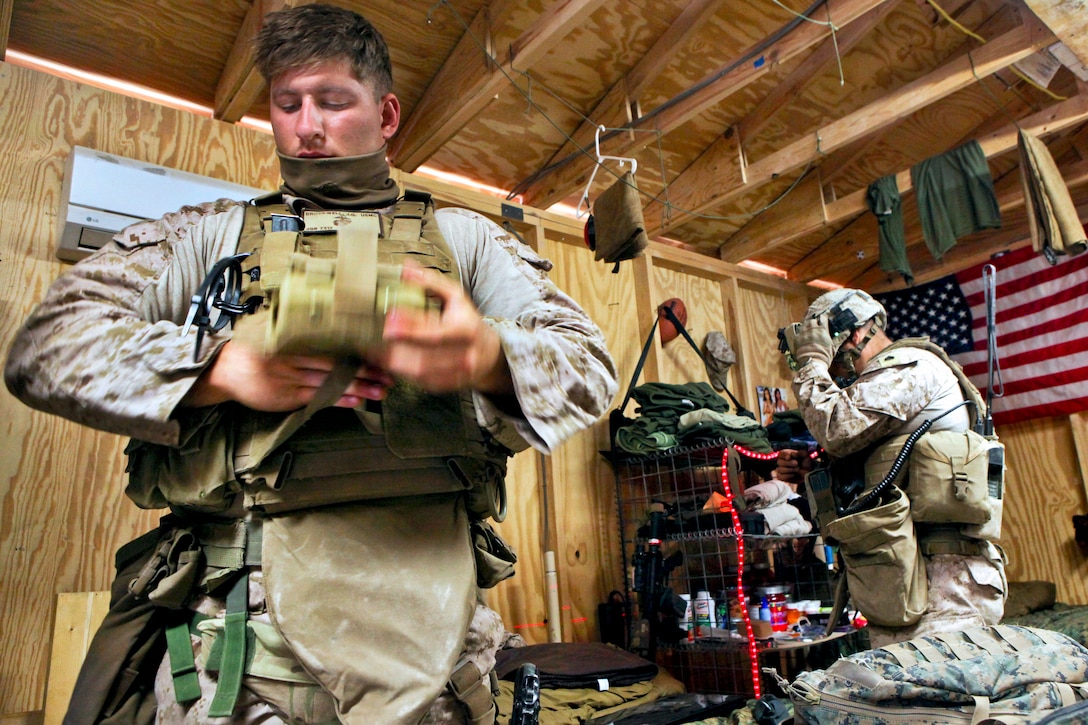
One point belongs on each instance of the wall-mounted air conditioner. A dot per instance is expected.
(104, 193)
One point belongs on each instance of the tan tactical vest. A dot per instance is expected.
(416, 444)
(948, 477)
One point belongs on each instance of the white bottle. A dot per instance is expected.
(705, 616)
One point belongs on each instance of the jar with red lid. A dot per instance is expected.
(776, 600)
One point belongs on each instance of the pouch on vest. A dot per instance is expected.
(884, 568)
(948, 478)
(198, 476)
(495, 558)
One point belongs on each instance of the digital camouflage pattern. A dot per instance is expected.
(886, 399)
(895, 392)
(1007, 673)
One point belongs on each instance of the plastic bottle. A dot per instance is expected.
(765, 610)
(687, 622)
(704, 612)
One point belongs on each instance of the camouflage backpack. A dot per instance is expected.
(1002, 674)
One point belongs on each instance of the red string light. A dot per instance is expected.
(738, 532)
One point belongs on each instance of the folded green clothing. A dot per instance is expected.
(646, 435)
(661, 399)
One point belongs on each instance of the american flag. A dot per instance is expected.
(1041, 313)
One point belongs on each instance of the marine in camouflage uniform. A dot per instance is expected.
(894, 392)
(105, 348)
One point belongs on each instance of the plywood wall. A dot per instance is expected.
(62, 510)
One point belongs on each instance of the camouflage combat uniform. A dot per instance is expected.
(103, 349)
(893, 395)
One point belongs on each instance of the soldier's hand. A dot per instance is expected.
(240, 373)
(792, 466)
(811, 340)
(447, 350)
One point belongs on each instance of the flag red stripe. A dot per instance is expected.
(1067, 406)
(1036, 354)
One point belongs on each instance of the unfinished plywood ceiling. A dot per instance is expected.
(757, 125)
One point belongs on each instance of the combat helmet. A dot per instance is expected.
(846, 310)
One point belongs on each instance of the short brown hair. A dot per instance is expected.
(307, 35)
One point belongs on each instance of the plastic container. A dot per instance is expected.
(776, 598)
(705, 614)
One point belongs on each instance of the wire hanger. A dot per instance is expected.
(622, 159)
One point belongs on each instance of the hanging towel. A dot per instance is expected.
(884, 201)
(618, 224)
(955, 195)
(1052, 217)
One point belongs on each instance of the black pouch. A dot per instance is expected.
(116, 684)
(494, 558)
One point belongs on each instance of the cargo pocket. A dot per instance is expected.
(885, 571)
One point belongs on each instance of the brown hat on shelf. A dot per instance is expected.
(718, 356)
(665, 325)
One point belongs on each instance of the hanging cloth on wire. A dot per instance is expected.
(884, 201)
(1052, 217)
(955, 194)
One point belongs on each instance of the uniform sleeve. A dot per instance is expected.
(876, 405)
(104, 347)
(563, 375)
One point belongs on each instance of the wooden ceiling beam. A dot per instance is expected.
(1069, 21)
(240, 84)
(614, 108)
(689, 191)
(859, 240)
(791, 87)
(6, 8)
(468, 81)
(712, 89)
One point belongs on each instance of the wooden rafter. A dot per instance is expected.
(6, 7)
(1069, 21)
(614, 108)
(793, 84)
(241, 85)
(692, 193)
(713, 89)
(468, 81)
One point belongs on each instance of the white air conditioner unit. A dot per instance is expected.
(104, 193)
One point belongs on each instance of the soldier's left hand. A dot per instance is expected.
(445, 350)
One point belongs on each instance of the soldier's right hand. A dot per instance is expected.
(242, 374)
(791, 466)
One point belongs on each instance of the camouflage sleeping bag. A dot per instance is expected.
(1002, 674)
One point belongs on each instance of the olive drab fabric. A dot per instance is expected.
(1002, 674)
(949, 477)
(619, 228)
